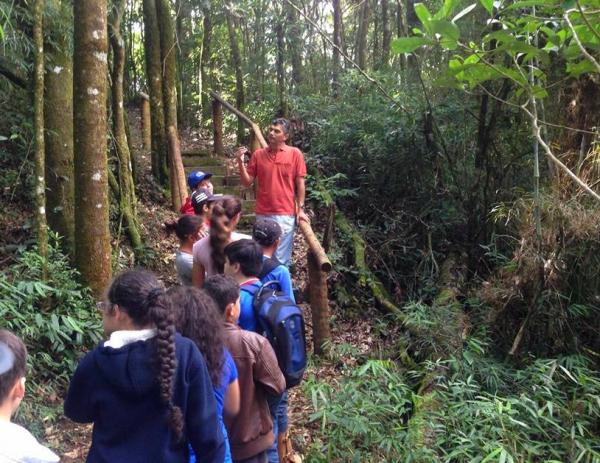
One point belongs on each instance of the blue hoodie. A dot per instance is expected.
(117, 390)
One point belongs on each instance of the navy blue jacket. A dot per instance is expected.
(117, 390)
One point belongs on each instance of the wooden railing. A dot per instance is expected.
(317, 261)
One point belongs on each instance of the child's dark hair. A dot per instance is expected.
(13, 356)
(142, 296)
(223, 289)
(248, 254)
(185, 226)
(197, 318)
(221, 227)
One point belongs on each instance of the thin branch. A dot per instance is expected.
(347, 58)
(581, 47)
(535, 122)
(585, 20)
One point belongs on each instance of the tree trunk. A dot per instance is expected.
(281, 94)
(387, 34)
(146, 124)
(401, 27)
(169, 65)
(127, 200)
(58, 118)
(155, 88)
(236, 59)
(217, 118)
(205, 63)
(337, 40)
(92, 240)
(178, 174)
(361, 35)
(294, 35)
(38, 127)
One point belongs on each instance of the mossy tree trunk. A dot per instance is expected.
(38, 127)
(281, 93)
(168, 48)
(58, 119)
(92, 240)
(205, 63)
(294, 35)
(155, 88)
(337, 40)
(236, 59)
(126, 193)
(361, 34)
(387, 34)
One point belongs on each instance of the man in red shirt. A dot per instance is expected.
(279, 170)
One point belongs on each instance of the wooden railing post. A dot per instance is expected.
(319, 303)
(217, 117)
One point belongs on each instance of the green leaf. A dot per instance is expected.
(446, 9)
(464, 12)
(408, 44)
(582, 67)
(488, 5)
(446, 29)
(423, 14)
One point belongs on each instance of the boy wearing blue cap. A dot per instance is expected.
(197, 179)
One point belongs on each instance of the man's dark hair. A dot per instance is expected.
(284, 123)
(248, 254)
(13, 359)
(223, 289)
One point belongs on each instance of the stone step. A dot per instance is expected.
(203, 161)
(246, 223)
(205, 153)
(248, 206)
(232, 180)
(215, 170)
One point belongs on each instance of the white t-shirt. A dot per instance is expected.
(17, 445)
(183, 264)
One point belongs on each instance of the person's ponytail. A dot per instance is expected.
(221, 228)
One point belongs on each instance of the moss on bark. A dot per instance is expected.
(92, 240)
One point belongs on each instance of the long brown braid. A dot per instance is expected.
(142, 296)
(221, 227)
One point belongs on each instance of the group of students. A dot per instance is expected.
(184, 374)
(211, 247)
(177, 379)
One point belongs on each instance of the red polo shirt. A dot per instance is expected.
(276, 175)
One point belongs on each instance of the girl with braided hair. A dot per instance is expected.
(146, 388)
(197, 318)
(208, 253)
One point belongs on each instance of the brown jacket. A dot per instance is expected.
(251, 431)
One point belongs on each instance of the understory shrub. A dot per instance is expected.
(486, 411)
(56, 318)
(554, 282)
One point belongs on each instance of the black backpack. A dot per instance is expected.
(283, 325)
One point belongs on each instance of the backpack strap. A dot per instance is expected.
(268, 266)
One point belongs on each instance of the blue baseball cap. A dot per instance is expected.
(196, 177)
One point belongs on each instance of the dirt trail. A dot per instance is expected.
(72, 440)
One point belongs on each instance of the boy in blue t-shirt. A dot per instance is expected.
(266, 233)
(243, 261)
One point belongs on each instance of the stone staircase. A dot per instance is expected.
(225, 179)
